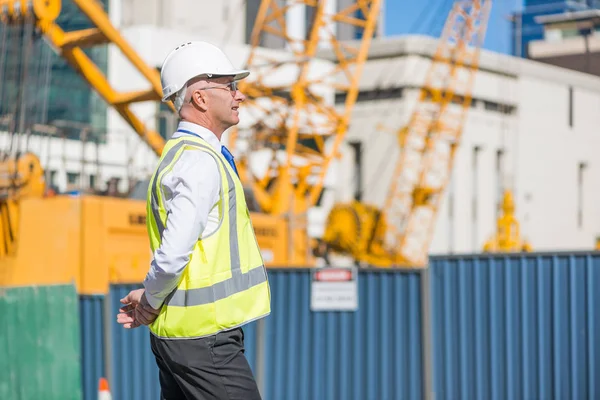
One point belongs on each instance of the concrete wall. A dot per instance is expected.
(223, 21)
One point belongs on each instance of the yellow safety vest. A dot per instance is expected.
(225, 282)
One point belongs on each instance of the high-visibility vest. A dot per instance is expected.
(225, 282)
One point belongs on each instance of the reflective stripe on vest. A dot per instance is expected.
(239, 281)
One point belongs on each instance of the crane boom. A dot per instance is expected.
(400, 233)
(302, 128)
(429, 143)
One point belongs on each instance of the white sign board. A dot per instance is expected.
(334, 289)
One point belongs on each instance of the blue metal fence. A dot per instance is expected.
(133, 371)
(472, 327)
(374, 353)
(516, 327)
(91, 312)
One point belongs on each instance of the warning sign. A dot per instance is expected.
(334, 289)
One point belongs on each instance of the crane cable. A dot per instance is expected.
(21, 105)
(4, 28)
(7, 76)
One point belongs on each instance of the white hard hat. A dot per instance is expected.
(193, 59)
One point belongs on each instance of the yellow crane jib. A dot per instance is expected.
(301, 123)
(43, 10)
(301, 129)
(404, 227)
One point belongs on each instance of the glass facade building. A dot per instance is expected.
(39, 86)
(524, 27)
(70, 97)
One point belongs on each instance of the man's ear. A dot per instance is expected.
(200, 100)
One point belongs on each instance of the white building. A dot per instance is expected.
(533, 128)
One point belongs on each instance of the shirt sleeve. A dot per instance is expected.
(194, 184)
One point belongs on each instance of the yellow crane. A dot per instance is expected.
(508, 232)
(95, 240)
(302, 130)
(400, 233)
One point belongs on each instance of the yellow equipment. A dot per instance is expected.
(95, 240)
(20, 178)
(508, 233)
(400, 234)
(302, 130)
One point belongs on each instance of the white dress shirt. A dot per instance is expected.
(191, 193)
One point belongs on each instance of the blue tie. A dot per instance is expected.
(229, 157)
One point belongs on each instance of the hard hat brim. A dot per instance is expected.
(241, 74)
(237, 76)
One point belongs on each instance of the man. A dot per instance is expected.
(207, 277)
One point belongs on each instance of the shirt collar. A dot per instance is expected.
(201, 131)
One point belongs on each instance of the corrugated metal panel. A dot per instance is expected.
(374, 353)
(134, 374)
(516, 327)
(91, 309)
(39, 342)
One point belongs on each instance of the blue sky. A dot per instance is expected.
(428, 17)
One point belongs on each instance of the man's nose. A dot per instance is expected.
(239, 96)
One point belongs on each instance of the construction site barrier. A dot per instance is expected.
(484, 326)
(516, 327)
(40, 343)
(374, 352)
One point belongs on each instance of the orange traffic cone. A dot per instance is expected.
(103, 390)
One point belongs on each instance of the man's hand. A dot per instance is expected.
(144, 312)
(136, 310)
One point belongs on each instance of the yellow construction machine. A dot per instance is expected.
(399, 234)
(508, 232)
(96, 240)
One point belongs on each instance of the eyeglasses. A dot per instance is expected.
(231, 86)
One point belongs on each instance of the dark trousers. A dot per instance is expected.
(211, 368)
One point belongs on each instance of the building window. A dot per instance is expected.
(580, 181)
(499, 180)
(72, 178)
(252, 7)
(474, 232)
(51, 179)
(553, 35)
(571, 106)
(372, 95)
(451, 214)
(166, 121)
(268, 40)
(358, 170)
